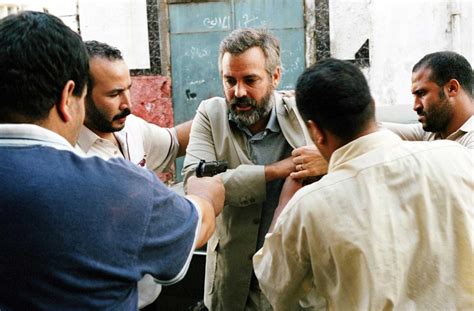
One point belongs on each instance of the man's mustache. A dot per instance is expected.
(123, 114)
(243, 100)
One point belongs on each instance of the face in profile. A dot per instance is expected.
(108, 102)
(431, 104)
(248, 87)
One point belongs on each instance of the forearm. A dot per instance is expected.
(290, 187)
(279, 170)
(208, 219)
(413, 132)
(245, 183)
(182, 132)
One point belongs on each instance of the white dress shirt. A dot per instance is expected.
(142, 143)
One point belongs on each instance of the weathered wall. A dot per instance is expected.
(400, 33)
(151, 100)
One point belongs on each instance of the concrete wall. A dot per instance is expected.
(121, 23)
(151, 100)
(400, 33)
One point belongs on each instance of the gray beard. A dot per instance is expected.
(260, 111)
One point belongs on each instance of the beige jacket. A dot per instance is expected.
(230, 250)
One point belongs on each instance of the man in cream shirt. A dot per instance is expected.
(442, 89)
(389, 226)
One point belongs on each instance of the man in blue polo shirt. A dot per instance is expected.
(68, 224)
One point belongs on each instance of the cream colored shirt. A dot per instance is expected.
(142, 143)
(146, 145)
(464, 135)
(389, 227)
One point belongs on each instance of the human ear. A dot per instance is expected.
(452, 87)
(316, 133)
(64, 105)
(276, 77)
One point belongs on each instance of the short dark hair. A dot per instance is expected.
(100, 50)
(335, 94)
(242, 39)
(445, 66)
(39, 54)
(103, 50)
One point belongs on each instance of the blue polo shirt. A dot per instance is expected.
(78, 233)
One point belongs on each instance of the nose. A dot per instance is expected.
(125, 101)
(417, 105)
(240, 90)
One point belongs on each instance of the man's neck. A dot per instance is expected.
(338, 143)
(463, 110)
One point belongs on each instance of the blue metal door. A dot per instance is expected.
(196, 30)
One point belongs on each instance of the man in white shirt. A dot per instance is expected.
(442, 87)
(389, 226)
(111, 131)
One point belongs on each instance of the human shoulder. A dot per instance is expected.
(465, 134)
(114, 167)
(315, 199)
(213, 110)
(139, 129)
(213, 105)
(134, 122)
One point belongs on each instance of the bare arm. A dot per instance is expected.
(182, 131)
(280, 169)
(208, 193)
(413, 131)
(289, 188)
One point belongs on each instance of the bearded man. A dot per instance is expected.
(111, 131)
(442, 89)
(255, 130)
